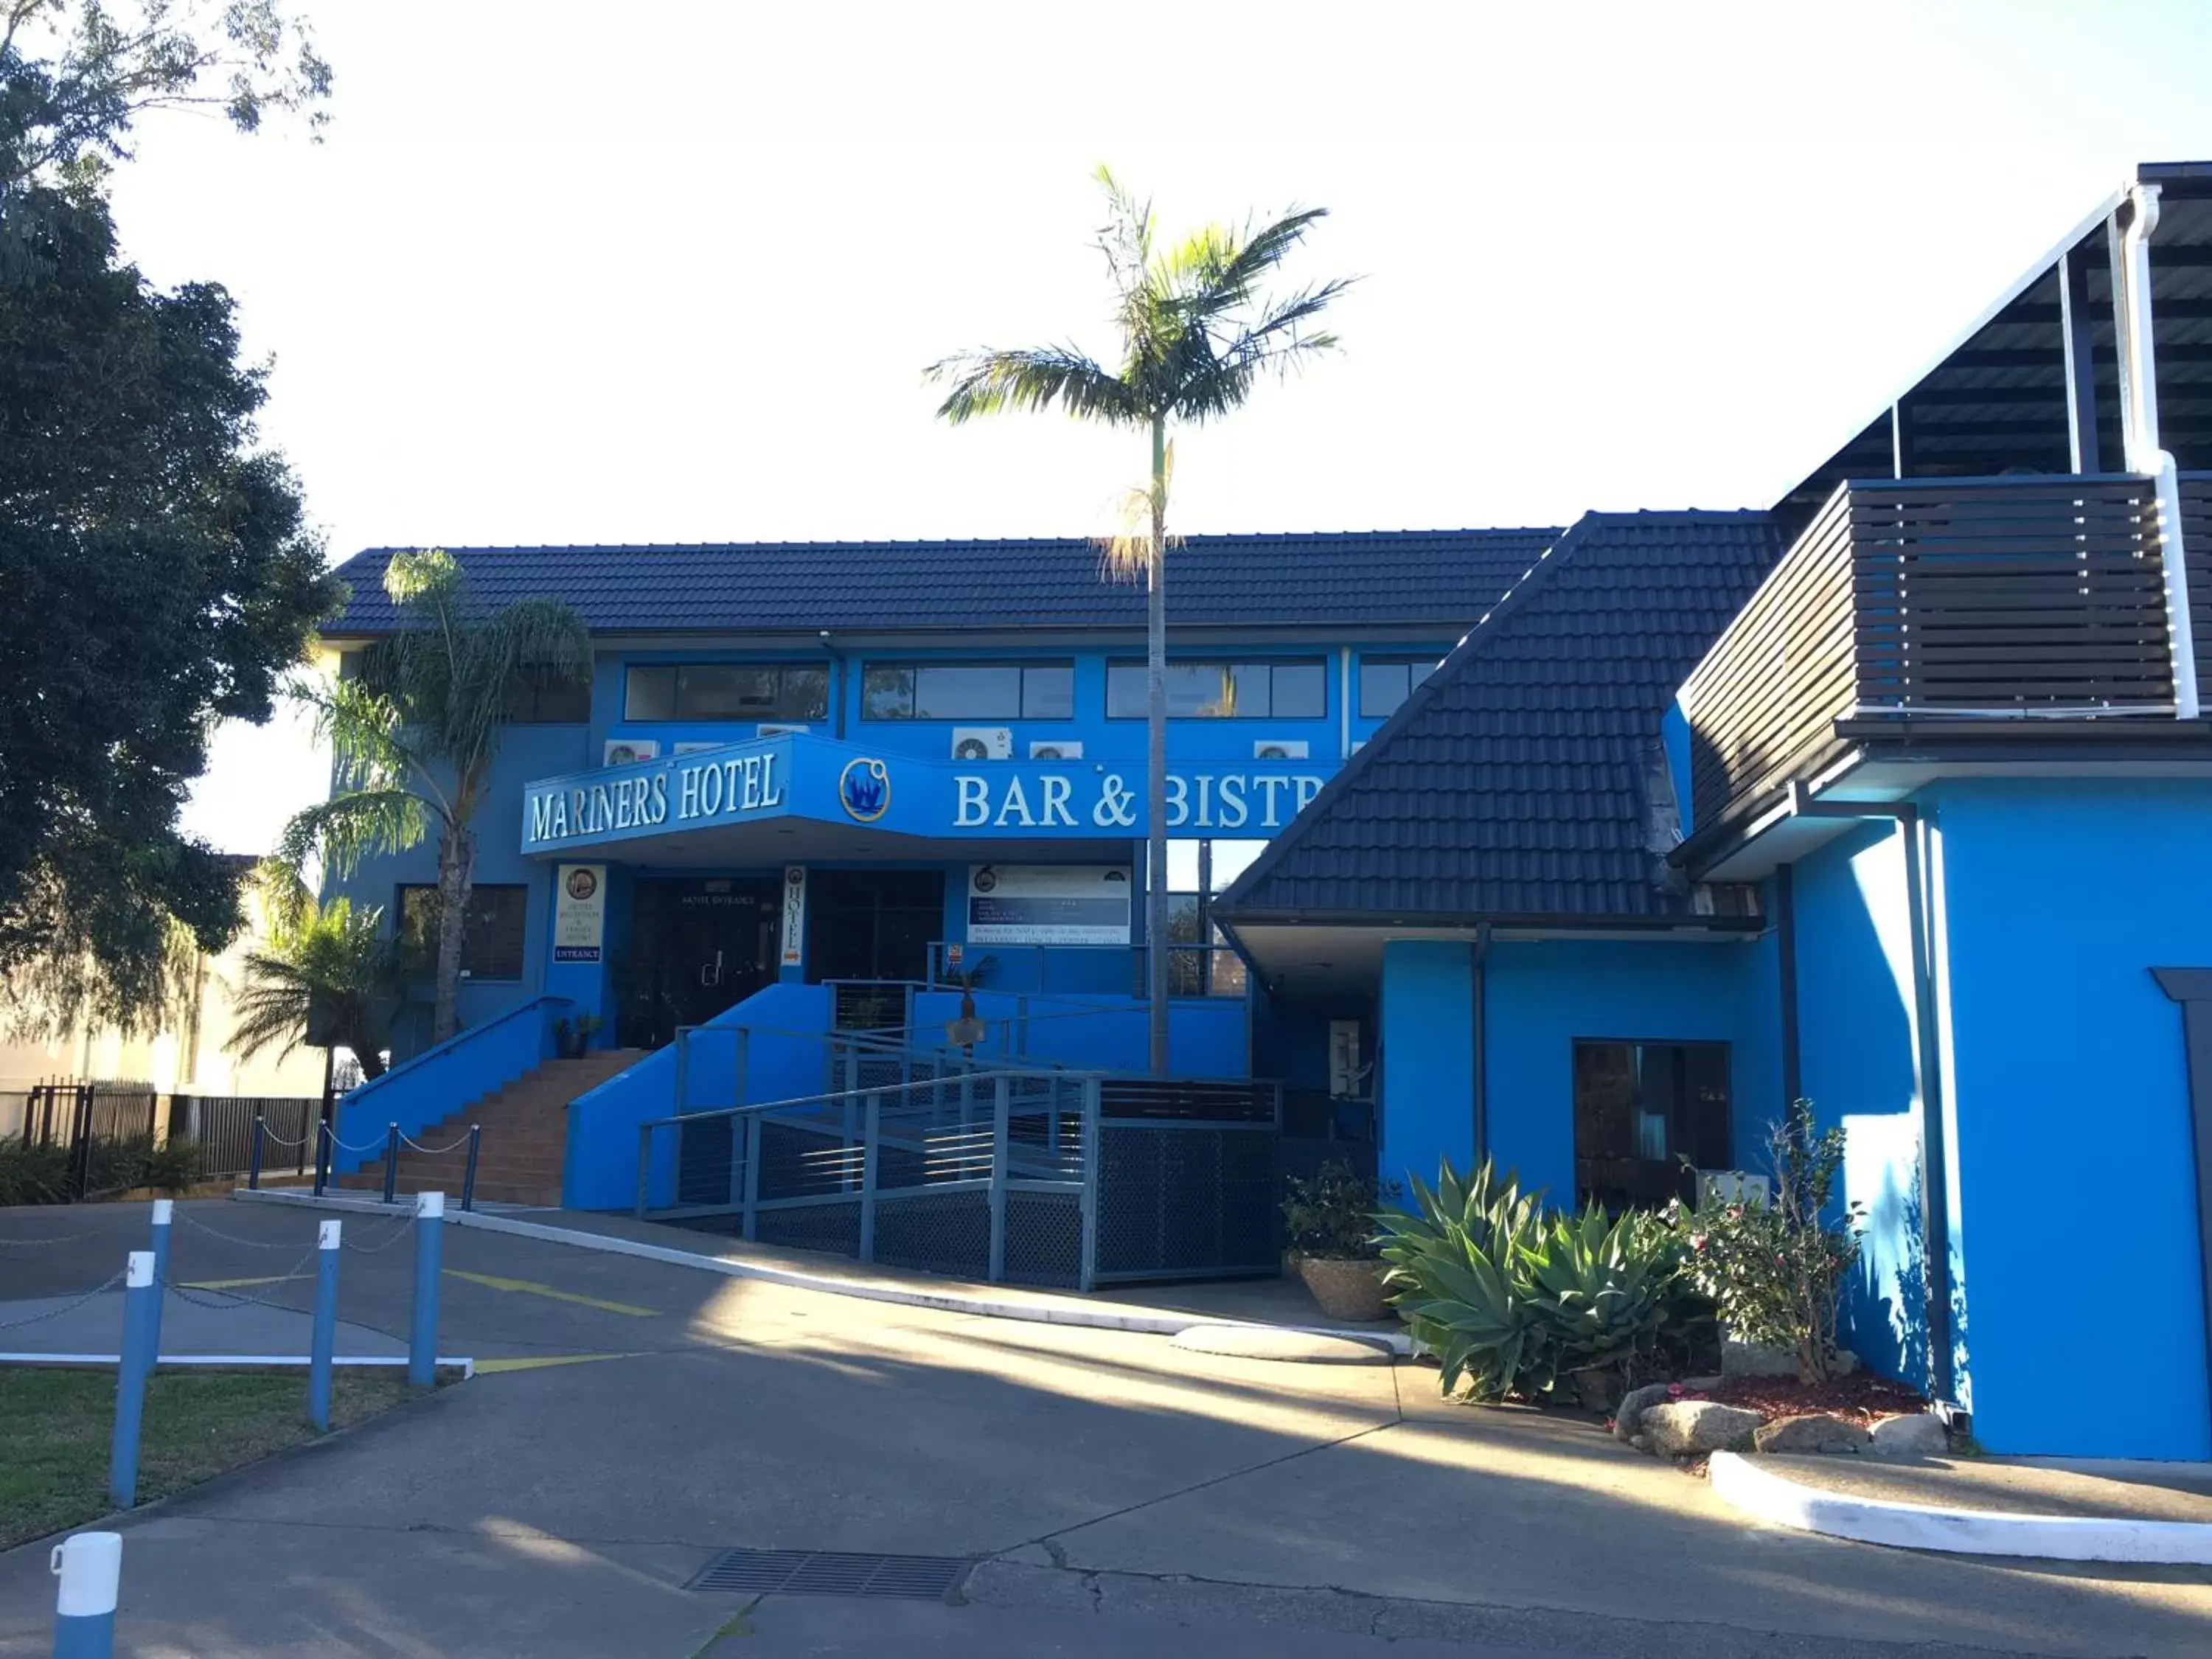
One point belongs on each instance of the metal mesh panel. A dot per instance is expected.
(704, 1153)
(936, 1232)
(1185, 1200)
(833, 1227)
(1044, 1238)
(801, 1159)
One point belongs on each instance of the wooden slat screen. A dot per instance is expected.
(1763, 704)
(2197, 545)
(2031, 594)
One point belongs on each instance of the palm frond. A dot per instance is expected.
(1125, 556)
(1216, 271)
(989, 382)
(338, 833)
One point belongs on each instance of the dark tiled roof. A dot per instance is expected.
(1379, 577)
(1513, 783)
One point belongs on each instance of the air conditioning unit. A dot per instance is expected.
(1064, 749)
(975, 743)
(1279, 748)
(772, 729)
(627, 752)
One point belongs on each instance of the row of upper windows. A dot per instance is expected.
(799, 692)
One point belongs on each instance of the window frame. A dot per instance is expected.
(404, 931)
(786, 712)
(913, 671)
(1390, 659)
(1230, 667)
(1668, 1184)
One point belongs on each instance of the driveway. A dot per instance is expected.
(1120, 1494)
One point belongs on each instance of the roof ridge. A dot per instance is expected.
(1197, 537)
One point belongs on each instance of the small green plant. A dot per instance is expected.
(32, 1175)
(1511, 1296)
(1776, 1269)
(1334, 1216)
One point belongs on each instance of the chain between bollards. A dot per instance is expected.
(89, 1565)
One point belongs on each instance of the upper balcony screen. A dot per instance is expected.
(1225, 691)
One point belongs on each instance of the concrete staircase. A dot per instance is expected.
(525, 1131)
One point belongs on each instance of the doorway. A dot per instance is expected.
(872, 924)
(697, 945)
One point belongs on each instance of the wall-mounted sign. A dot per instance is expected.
(1242, 799)
(1048, 905)
(864, 790)
(580, 912)
(795, 916)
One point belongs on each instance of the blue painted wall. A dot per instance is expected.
(442, 1080)
(2069, 1078)
(1426, 1055)
(1207, 1037)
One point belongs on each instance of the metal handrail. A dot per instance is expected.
(862, 1095)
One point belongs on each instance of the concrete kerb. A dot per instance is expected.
(1742, 1482)
(1158, 1321)
(465, 1364)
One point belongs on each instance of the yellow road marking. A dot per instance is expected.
(530, 1287)
(238, 1284)
(538, 1362)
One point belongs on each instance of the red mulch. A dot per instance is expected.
(1860, 1398)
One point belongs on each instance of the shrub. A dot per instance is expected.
(1334, 1215)
(1511, 1295)
(32, 1175)
(1777, 1269)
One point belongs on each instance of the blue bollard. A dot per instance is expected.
(468, 1176)
(164, 1209)
(137, 1363)
(423, 1334)
(391, 1162)
(90, 1566)
(322, 1158)
(326, 1333)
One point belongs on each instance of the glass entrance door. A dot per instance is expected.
(872, 924)
(696, 946)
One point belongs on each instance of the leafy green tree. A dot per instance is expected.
(330, 972)
(1197, 335)
(414, 731)
(158, 575)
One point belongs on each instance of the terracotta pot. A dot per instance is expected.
(1346, 1289)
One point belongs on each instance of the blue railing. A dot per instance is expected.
(435, 1083)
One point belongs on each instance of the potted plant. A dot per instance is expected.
(1329, 1222)
(572, 1037)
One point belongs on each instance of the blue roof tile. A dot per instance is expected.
(1512, 783)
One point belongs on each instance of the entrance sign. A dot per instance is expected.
(580, 912)
(795, 916)
(1048, 905)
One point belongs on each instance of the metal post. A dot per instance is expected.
(324, 1337)
(644, 1165)
(253, 1168)
(391, 1162)
(869, 1170)
(1000, 1117)
(1090, 1151)
(163, 1212)
(851, 1115)
(752, 1176)
(740, 1063)
(423, 1331)
(136, 1364)
(469, 1174)
(322, 1157)
(90, 1567)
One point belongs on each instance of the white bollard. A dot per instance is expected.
(90, 1566)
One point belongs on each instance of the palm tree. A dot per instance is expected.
(329, 961)
(414, 731)
(1196, 337)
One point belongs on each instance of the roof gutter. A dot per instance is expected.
(2139, 422)
(1934, 1161)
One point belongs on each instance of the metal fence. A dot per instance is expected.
(1010, 1175)
(223, 1127)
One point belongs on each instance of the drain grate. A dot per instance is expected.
(826, 1572)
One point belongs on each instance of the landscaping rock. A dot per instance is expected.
(1691, 1428)
(1629, 1418)
(1702, 1385)
(1750, 1359)
(1816, 1433)
(1911, 1436)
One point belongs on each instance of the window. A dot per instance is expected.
(536, 696)
(727, 691)
(1225, 691)
(1386, 682)
(492, 936)
(967, 691)
(1641, 1108)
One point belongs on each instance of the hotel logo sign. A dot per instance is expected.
(864, 790)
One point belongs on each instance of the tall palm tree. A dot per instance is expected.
(328, 959)
(413, 733)
(1197, 336)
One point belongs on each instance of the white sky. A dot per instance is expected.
(663, 272)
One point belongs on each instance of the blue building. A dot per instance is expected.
(1895, 795)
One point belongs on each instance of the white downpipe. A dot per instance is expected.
(2139, 419)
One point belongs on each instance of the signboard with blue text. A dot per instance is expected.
(800, 776)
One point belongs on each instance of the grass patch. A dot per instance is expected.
(56, 1427)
